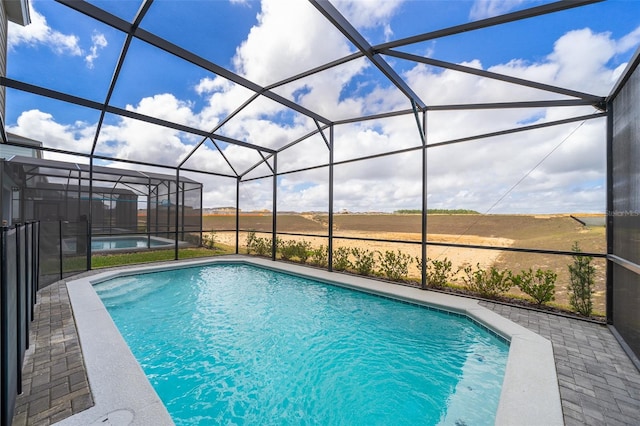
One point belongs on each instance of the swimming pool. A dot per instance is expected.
(121, 392)
(128, 242)
(244, 345)
(122, 243)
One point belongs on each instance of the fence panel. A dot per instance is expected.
(10, 326)
(18, 285)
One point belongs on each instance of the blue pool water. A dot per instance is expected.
(112, 243)
(237, 344)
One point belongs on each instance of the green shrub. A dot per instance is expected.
(364, 262)
(489, 283)
(540, 286)
(304, 250)
(291, 249)
(394, 265)
(581, 281)
(439, 272)
(320, 256)
(287, 249)
(262, 246)
(418, 260)
(341, 260)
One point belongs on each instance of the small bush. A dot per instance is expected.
(394, 265)
(261, 246)
(581, 281)
(439, 272)
(304, 250)
(540, 286)
(418, 260)
(320, 256)
(291, 249)
(341, 260)
(364, 262)
(489, 283)
(287, 249)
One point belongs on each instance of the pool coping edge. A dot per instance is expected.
(530, 392)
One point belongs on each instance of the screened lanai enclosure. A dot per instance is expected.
(331, 111)
(85, 210)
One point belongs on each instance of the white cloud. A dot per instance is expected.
(39, 32)
(99, 42)
(474, 175)
(581, 59)
(270, 53)
(629, 41)
(42, 126)
(369, 13)
(138, 140)
(482, 9)
(167, 107)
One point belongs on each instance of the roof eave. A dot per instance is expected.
(17, 11)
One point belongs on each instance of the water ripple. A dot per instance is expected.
(242, 345)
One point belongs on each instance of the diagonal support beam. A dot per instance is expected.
(216, 128)
(488, 22)
(349, 31)
(256, 165)
(144, 8)
(492, 75)
(41, 91)
(101, 15)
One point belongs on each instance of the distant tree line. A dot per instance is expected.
(436, 211)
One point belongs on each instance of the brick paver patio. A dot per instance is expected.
(599, 385)
(54, 381)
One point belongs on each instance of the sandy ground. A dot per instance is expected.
(458, 256)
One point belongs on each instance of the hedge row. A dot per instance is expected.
(493, 282)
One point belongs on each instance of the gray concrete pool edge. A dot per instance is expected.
(121, 392)
(530, 392)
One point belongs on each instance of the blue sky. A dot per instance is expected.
(560, 169)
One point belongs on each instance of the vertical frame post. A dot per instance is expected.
(609, 215)
(148, 225)
(238, 215)
(177, 221)
(274, 221)
(201, 214)
(89, 235)
(60, 250)
(330, 222)
(20, 314)
(422, 126)
(425, 207)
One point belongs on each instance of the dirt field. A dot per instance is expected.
(550, 232)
